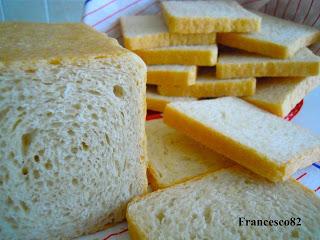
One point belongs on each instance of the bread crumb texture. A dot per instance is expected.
(210, 208)
(72, 132)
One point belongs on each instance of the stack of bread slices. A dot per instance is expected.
(185, 63)
(221, 168)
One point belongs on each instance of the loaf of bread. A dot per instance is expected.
(150, 31)
(228, 204)
(208, 16)
(235, 64)
(266, 144)
(72, 138)
(280, 95)
(176, 75)
(175, 158)
(278, 38)
(205, 55)
(157, 102)
(207, 86)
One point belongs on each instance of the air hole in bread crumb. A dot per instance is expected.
(85, 146)
(36, 158)
(248, 181)
(74, 150)
(55, 61)
(207, 215)
(48, 165)
(118, 91)
(107, 138)
(94, 116)
(77, 106)
(24, 206)
(295, 233)
(26, 140)
(16, 124)
(94, 92)
(41, 152)
(160, 216)
(9, 201)
(70, 132)
(103, 109)
(49, 114)
(11, 155)
(36, 174)
(49, 183)
(74, 182)
(25, 171)
(30, 70)
(4, 112)
(89, 107)
(98, 57)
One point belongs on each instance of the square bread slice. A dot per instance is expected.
(150, 31)
(278, 38)
(280, 95)
(178, 75)
(208, 16)
(230, 204)
(72, 116)
(207, 86)
(266, 144)
(175, 158)
(157, 102)
(205, 55)
(235, 64)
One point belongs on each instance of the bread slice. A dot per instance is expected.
(175, 158)
(72, 115)
(207, 85)
(278, 38)
(205, 55)
(264, 143)
(241, 64)
(178, 75)
(208, 16)
(214, 206)
(157, 102)
(150, 31)
(280, 95)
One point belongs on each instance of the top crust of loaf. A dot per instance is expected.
(54, 42)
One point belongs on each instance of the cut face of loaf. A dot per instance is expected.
(211, 208)
(175, 158)
(264, 143)
(72, 130)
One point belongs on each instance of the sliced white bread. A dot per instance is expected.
(208, 16)
(175, 158)
(72, 116)
(178, 75)
(280, 95)
(260, 141)
(150, 31)
(230, 204)
(235, 64)
(157, 102)
(207, 85)
(205, 55)
(278, 38)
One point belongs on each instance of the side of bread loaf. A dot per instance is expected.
(72, 130)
